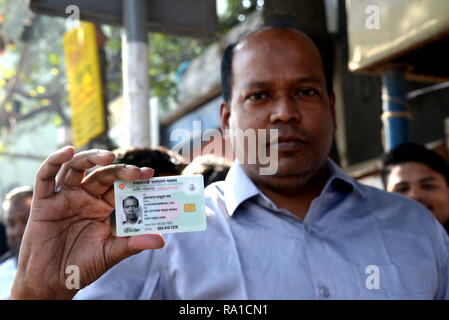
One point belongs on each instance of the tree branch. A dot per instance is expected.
(20, 65)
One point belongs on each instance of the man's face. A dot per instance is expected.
(279, 83)
(418, 181)
(130, 207)
(16, 217)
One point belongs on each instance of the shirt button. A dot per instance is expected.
(324, 292)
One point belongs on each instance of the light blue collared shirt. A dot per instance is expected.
(356, 242)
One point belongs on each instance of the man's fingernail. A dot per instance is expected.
(130, 167)
(161, 242)
(147, 169)
(64, 149)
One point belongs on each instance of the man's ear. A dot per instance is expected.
(332, 106)
(225, 114)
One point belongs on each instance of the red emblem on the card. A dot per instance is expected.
(121, 186)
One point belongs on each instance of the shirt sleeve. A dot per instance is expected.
(136, 277)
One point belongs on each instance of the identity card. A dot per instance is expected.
(160, 205)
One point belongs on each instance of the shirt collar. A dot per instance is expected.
(337, 175)
(239, 187)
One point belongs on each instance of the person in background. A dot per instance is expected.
(164, 161)
(3, 242)
(212, 168)
(421, 174)
(16, 209)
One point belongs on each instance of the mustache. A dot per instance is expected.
(285, 133)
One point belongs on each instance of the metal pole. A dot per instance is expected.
(154, 122)
(395, 108)
(135, 72)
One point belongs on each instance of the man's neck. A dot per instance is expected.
(132, 220)
(298, 202)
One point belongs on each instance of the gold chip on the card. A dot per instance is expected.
(189, 207)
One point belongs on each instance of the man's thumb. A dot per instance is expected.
(124, 247)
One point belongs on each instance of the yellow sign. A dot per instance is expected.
(84, 79)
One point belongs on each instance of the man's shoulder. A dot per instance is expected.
(388, 205)
(124, 222)
(404, 218)
(382, 197)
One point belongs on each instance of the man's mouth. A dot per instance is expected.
(289, 143)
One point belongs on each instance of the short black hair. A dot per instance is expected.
(322, 43)
(212, 168)
(413, 152)
(162, 160)
(16, 195)
(130, 198)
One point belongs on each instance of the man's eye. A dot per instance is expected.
(428, 187)
(401, 190)
(257, 96)
(307, 92)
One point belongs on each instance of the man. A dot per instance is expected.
(3, 243)
(16, 209)
(307, 232)
(420, 174)
(131, 210)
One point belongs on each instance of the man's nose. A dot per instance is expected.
(415, 194)
(285, 110)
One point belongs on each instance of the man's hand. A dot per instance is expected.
(69, 224)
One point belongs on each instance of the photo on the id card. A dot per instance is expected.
(132, 213)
